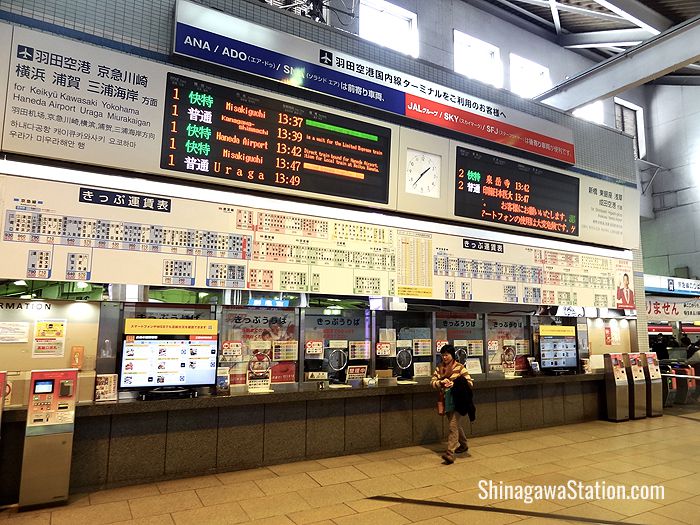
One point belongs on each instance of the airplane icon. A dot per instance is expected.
(326, 57)
(25, 53)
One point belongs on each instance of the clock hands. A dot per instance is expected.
(421, 175)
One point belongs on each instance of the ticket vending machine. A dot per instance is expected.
(654, 384)
(616, 389)
(48, 441)
(637, 385)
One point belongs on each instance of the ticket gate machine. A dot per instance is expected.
(616, 389)
(48, 441)
(654, 384)
(637, 385)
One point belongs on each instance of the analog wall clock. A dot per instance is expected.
(423, 173)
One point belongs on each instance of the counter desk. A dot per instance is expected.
(130, 442)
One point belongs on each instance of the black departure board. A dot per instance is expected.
(216, 131)
(502, 191)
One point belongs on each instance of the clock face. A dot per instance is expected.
(423, 174)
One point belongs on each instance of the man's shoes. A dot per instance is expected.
(461, 449)
(448, 458)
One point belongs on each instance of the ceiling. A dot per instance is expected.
(640, 41)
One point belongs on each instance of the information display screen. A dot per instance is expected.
(168, 360)
(222, 132)
(43, 386)
(558, 352)
(502, 191)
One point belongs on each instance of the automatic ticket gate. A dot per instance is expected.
(637, 385)
(616, 389)
(48, 441)
(654, 384)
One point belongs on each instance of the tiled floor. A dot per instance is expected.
(410, 485)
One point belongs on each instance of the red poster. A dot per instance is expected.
(608, 336)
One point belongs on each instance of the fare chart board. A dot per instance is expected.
(229, 133)
(503, 191)
(63, 231)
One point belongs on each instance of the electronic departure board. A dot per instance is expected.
(222, 132)
(502, 191)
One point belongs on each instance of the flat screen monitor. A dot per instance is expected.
(43, 386)
(152, 361)
(558, 353)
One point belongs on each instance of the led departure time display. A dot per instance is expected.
(502, 191)
(221, 132)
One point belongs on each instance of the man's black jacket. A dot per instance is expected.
(463, 398)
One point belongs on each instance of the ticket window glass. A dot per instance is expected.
(465, 331)
(508, 344)
(249, 333)
(397, 354)
(333, 340)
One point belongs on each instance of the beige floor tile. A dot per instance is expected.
(470, 517)
(615, 467)
(324, 513)
(544, 521)
(470, 497)
(416, 450)
(501, 464)
(77, 500)
(649, 518)
(26, 518)
(421, 511)
(681, 511)
(92, 514)
(665, 472)
(544, 506)
(383, 455)
(331, 476)
(423, 461)
(380, 486)
(228, 493)
(628, 507)
(425, 478)
(154, 505)
(296, 468)
(634, 478)
(161, 519)
(215, 515)
(430, 492)
(179, 485)
(276, 505)
(331, 494)
(245, 475)
(289, 483)
(542, 468)
(687, 484)
(588, 510)
(496, 450)
(510, 475)
(375, 469)
(432, 521)
(364, 505)
(124, 493)
(342, 461)
(373, 517)
(273, 520)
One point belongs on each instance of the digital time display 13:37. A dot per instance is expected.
(217, 131)
(503, 191)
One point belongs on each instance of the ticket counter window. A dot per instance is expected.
(404, 347)
(508, 344)
(466, 332)
(247, 332)
(334, 341)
